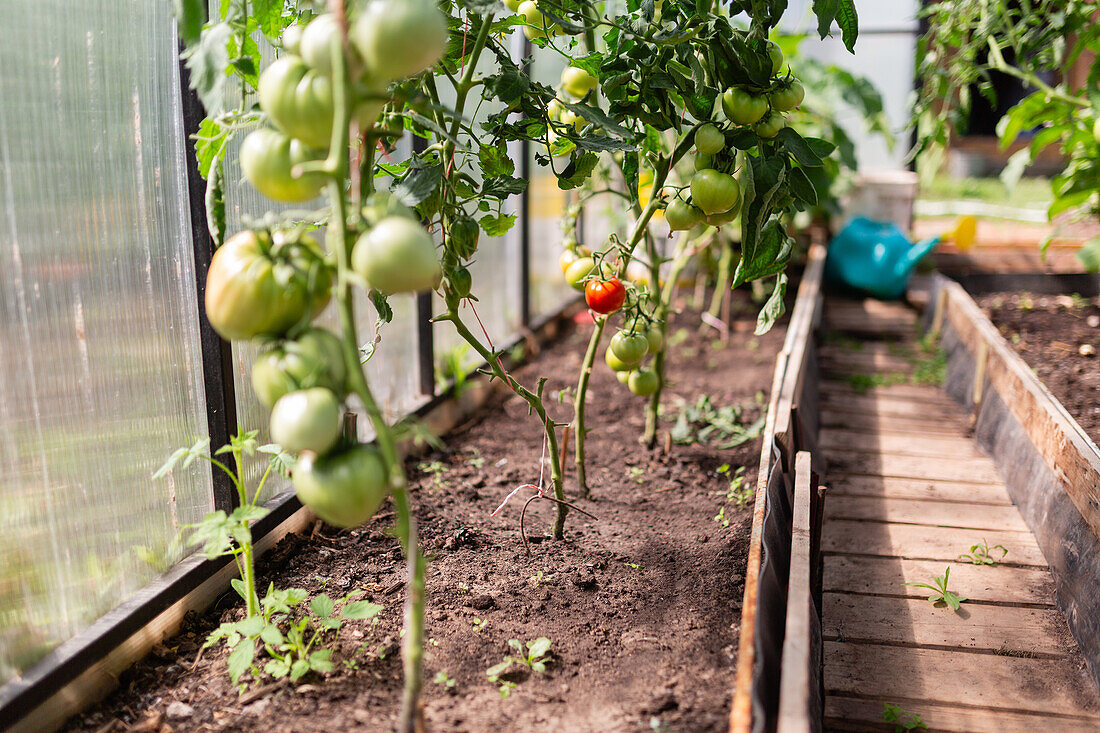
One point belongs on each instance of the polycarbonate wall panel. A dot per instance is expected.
(100, 363)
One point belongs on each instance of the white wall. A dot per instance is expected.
(885, 54)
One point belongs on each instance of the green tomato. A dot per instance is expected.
(1096, 131)
(617, 364)
(569, 117)
(654, 339)
(775, 55)
(317, 40)
(788, 97)
(555, 109)
(717, 220)
(543, 28)
(399, 38)
(577, 82)
(682, 216)
(252, 291)
(629, 347)
(743, 108)
(307, 420)
(709, 140)
(369, 108)
(267, 157)
(512, 5)
(314, 359)
(644, 382)
(770, 126)
(344, 488)
(397, 255)
(382, 205)
(458, 283)
(298, 100)
(464, 236)
(623, 377)
(292, 39)
(714, 192)
(578, 270)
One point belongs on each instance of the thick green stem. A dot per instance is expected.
(535, 402)
(247, 564)
(340, 245)
(664, 309)
(724, 266)
(579, 404)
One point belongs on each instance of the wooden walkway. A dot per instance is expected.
(908, 493)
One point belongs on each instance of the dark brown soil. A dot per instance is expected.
(1059, 337)
(642, 606)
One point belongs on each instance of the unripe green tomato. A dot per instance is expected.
(382, 205)
(702, 162)
(314, 359)
(709, 140)
(399, 38)
(368, 109)
(714, 192)
(309, 419)
(743, 108)
(775, 54)
(623, 377)
(397, 256)
(654, 338)
(316, 44)
(644, 382)
(577, 82)
(554, 109)
(465, 234)
(1096, 131)
(344, 488)
(682, 216)
(770, 126)
(617, 364)
(298, 100)
(267, 157)
(578, 271)
(459, 283)
(629, 347)
(542, 27)
(292, 39)
(512, 5)
(717, 220)
(569, 117)
(789, 97)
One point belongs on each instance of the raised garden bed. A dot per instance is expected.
(641, 606)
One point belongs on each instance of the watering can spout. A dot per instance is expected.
(905, 265)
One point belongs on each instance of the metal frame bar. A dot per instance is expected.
(525, 213)
(217, 354)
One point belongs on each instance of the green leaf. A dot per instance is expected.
(321, 661)
(207, 61)
(773, 309)
(322, 606)
(802, 187)
(495, 161)
(577, 172)
(494, 672)
(848, 20)
(538, 648)
(357, 610)
(1089, 255)
(299, 669)
(497, 226)
(240, 659)
(826, 14)
(269, 14)
(418, 185)
(270, 634)
(251, 627)
(248, 513)
(190, 15)
(502, 187)
(799, 148)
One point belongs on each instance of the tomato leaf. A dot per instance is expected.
(799, 149)
(577, 172)
(497, 226)
(502, 187)
(358, 610)
(207, 61)
(190, 15)
(418, 185)
(802, 187)
(773, 309)
(848, 20)
(240, 659)
(826, 14)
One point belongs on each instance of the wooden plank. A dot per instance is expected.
(956, 677)
(927, 513)
(980, 583)
(838, 439)
(798, 686)
(858, 714)
(1060, 440)
(924, 392)
(871, 307)
(837, 415)
(916, 622)
(841, 484)
(946, 467)
(864, 362)
(800, 328)
(927, 543)
(893, 406)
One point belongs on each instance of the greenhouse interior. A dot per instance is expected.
(550, 365)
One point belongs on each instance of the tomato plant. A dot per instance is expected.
(605, 296)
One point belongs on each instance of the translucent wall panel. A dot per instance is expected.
(100, 376)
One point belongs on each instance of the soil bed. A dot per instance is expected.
(1059, 338)
(642, 606)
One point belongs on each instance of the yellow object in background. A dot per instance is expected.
(964, 233)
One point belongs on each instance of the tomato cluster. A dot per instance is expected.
(270, 285)
(628, 348)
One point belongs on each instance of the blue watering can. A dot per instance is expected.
(874, 257)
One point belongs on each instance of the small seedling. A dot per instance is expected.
(535, 657)
(737, 493)
(323, 580)
(721, 517)
(436, 469)
(480, 624)
(753, 344)
(444, 680)
(981, 554)
(462, 587)
(902, 720)
(452, 366)
(634, 566)
(536, 580)
(636, 474)
(719, 427)
(940, 594)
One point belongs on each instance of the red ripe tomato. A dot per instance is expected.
(605, 296)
